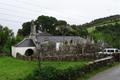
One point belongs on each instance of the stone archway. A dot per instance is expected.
(29, 52)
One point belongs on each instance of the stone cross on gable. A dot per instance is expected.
(33, 31)
(33, 28)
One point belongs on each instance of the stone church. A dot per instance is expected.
(35, 40)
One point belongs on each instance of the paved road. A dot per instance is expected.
(110, 74)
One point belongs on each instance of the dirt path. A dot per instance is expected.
(110, 74)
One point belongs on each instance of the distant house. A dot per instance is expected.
(32, 44)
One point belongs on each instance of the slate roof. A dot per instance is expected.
(42, 37)
(44, 34)
(59, 38)
(26, 43)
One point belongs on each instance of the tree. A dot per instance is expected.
(25, 31)
(53, 26)
(46, 24)
(5, 35)
(7, 39)
(108, 33)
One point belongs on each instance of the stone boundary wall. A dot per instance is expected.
(69, 57)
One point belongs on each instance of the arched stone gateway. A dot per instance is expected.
(29, 52)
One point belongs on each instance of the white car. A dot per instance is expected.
(109, 51)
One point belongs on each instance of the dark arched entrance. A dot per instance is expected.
(29, 52)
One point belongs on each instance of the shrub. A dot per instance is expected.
(51, 73)
(46, 73)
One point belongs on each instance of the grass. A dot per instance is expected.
(90, 29)
(64, 64)
(14, 69)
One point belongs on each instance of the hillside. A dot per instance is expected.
(105, 29)
(103, 21)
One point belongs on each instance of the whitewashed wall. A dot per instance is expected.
(21, 50)
(57, 46)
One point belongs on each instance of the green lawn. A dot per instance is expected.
(13, 69)
(64, 64)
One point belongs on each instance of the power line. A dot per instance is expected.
(28, 3)
(15, 16)
(13, 21)
(31, 4)
(23, 8)
(18, 11)
(36, 11)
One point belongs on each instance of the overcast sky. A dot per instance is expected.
(14, 12)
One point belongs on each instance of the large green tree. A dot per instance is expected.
(5, 35)
(46, 24)
(25, 31)
(53, 26)
(7, 39)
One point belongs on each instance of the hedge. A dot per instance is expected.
(72, 73)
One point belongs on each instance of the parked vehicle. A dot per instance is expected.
(109, 51)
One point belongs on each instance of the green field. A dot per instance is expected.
(13, 69)
(90, 29)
